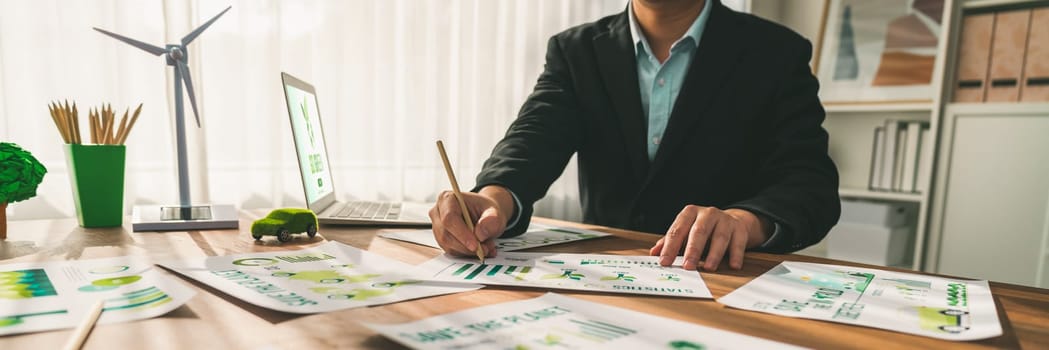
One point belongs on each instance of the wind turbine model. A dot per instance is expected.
(185, 216)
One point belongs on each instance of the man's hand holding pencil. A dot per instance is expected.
(452, 216)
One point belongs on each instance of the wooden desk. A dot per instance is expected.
(213, 320)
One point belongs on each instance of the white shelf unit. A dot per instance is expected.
(851, 125)
(990, 216)
(990, 203)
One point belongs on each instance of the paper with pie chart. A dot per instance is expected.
(332, 276)
(931, 306)
(589, 272)
(555, 321)
(55, 295)
(537, 235)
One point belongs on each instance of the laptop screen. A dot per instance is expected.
(309, 143)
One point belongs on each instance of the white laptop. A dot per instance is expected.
(316, 171)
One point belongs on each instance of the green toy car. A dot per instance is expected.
(283, 222)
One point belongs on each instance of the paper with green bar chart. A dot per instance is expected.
(930, 306)
(55, 295)
(331, 276)
(538, 235)
(589, 272)
(555, 321)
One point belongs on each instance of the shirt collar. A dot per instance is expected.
(694, 32)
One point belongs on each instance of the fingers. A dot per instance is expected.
(706, 222)
(489, 226)
(676, 235)
(449, 228)
(699, 230)
(489, 248)
(657, 248)
(718, 243)
(737, 248)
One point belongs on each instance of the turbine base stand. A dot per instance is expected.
(179, 218)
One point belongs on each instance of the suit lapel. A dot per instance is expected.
(715, 59)
(617, 62)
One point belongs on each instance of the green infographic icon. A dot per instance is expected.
(25, 284)
(254, 262)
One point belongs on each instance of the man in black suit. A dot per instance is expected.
(688, 119)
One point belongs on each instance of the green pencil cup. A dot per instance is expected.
(97, 175)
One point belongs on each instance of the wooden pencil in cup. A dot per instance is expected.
(459, 198)
(123, 137)
(59, 123)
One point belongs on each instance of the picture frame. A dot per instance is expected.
(879, 51)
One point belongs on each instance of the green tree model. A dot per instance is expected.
(20, 174)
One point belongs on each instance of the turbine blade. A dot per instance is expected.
(189, 88)
(155, 50)
(193, 35)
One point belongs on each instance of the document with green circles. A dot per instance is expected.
(555, 321)
(331, 276)
(589, 272)
(42, 296)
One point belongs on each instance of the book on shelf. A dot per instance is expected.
(876, 159)
(909, 168)
(897, 155)
(897, 167)
(888, 169)
(925, 158)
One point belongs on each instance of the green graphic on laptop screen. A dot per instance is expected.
(309, 141)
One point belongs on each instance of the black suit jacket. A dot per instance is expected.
(745, 132)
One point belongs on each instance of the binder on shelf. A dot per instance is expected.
(897, 167)
(876, 159)
(1008, 46)
(973, 56)
(888, 170)
(910, 158)
(925, 158)
(1036, 66)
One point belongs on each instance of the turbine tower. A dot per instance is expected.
(185, 216)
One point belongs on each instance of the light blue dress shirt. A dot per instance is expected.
(661, 82)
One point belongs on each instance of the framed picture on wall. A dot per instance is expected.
(879, 51)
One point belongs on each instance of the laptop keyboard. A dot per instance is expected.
(370, 210)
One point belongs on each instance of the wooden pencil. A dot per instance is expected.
(459, 198)
(55, 117)
(85, 327)
(91, 124)
(130, 124)
(76, 124)
(120, 130)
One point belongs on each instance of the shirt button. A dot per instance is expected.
(655, 140)
(662, 82)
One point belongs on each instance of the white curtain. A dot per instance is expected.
(392, 77)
